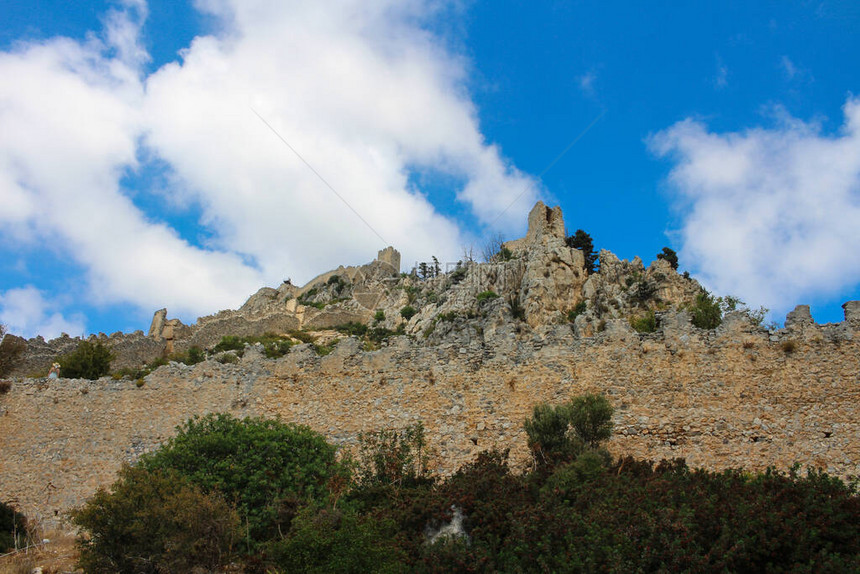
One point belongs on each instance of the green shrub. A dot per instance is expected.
(646, 323)
(559, 433)
(13, 528)
(580, 308)
(591, 418)
(458, 274)
(487, 295)
(549, 437)
(335, 540)
(670, 256)
(228, 359)
(392, 457)
(706, 312)
(323, 350)
(518, 312)
(263, 467)
(155, 521)
(582, 241)
(302, 336)
(195, 355)
(353, 328)
(408, 312)
(88, 361)
(229, 343)
(379, 316)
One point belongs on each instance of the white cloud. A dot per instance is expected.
(586, 83)
(358, 88)
(26, 312)
(792, 72)
(721, 80)
(771, 215)
(70, 125)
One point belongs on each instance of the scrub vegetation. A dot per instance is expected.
(256, 495)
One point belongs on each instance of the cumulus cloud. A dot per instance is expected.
(26, 312)
(771, 214)
(360, 89)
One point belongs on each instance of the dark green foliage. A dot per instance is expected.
(334, 540)
(13, 528)
(228, 359)
(353, 329)
(643, 291)
(11, 348)
(560, 433)
(379, 316)
(88, 361)
(518, 312)
(274, 345)
(550, 438)
(302, 336)
(392, 457)
(195, 355)
(505, 254)
(229, 343)
(580, 308)
(646, 323)
(458, 274)
(487, 295)
(586, 513)
(582, 241)
(262, 466)
(337, 283)
(373, 335)
(154, 521)
(705, 312)
(408, 312)
(591, 418)
(670, 256)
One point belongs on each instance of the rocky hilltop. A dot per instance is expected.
(533, 284)
(467, 350)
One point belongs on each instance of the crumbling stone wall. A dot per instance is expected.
(736, 396)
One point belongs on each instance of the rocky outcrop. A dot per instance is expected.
(534, 284)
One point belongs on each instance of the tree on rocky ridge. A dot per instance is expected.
(582, 241)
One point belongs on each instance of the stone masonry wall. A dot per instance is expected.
(724, 398)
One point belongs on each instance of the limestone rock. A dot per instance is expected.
(799, 318)
(852, 314)
(157, 324)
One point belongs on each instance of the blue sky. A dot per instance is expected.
(136, 174)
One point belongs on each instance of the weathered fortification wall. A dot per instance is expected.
(471, 368)
(726, 398)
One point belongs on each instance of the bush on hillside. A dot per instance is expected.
(13, 528)
(669, 255)
(155, 521)
(646, 323)
(560, 433)
(705, 311)
(392, 457)
(408, 312)
(582, 241)
(264, 467)
(88, 361)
